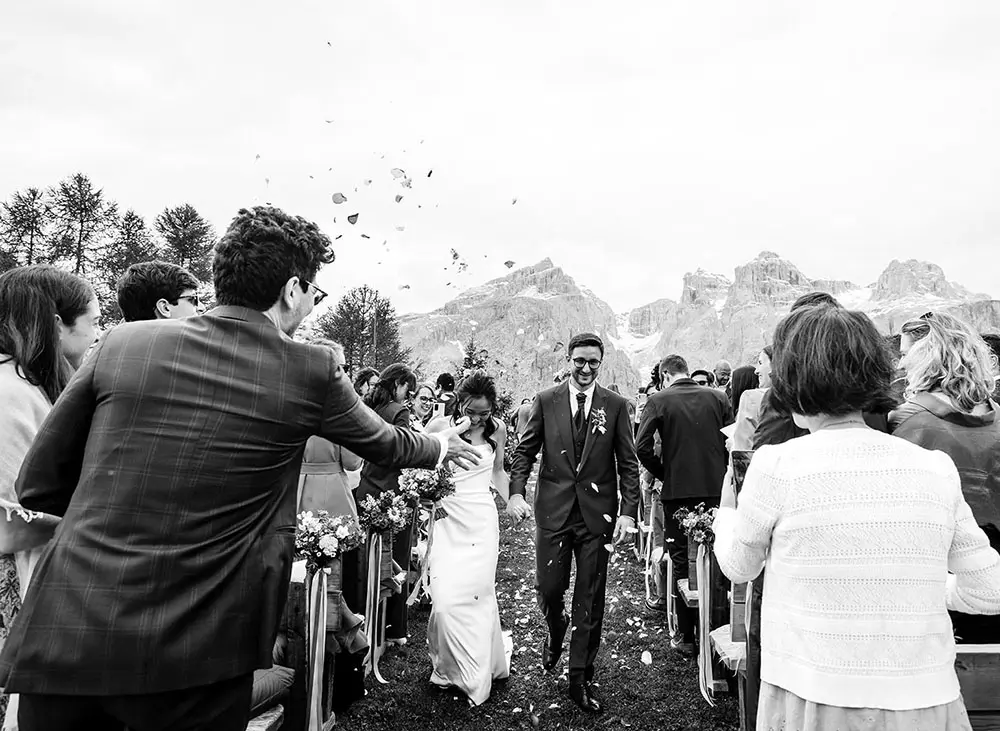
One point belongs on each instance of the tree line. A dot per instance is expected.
(75, 225)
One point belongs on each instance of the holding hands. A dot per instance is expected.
(518, 509)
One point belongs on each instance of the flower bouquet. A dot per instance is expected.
(321, 538)
(697, 523)
(389, 512)
(427, 486)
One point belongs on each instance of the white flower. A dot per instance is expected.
(329, 545)
(342, 532)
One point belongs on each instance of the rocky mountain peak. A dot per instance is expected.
(768, 278)
(703, 288)
(905, 279)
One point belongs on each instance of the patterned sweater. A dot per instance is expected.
(860, 530)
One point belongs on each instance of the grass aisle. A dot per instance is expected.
(661, 695)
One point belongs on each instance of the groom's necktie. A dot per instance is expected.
(580, 425)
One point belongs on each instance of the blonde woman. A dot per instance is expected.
(950, 377)
(423, 406)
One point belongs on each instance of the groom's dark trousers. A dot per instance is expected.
(585, 469)
(169, 457)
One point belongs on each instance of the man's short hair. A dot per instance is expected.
(585, 340)
(261, 250)
(446, 382)
(816, 299)
(673, 365)
(828, 360)
(723, 364)
(146, 283)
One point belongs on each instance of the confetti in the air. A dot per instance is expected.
(353, 218)
(404, 286)
(365, 236)
(508, 264)
(339, 198)
(256, 158)
(398, 173)
(429, 173)
(513, 201)
(400, 228)
(399, 198)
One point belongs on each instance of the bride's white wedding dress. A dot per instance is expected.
(467, 647)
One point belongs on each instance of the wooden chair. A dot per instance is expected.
(978, 669)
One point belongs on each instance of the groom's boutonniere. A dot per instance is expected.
(600, 421)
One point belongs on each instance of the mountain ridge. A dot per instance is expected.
(525, 318)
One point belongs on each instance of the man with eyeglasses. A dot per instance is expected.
(589, 470)
(173, 458)
(158, 290)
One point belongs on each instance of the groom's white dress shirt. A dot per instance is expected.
(573, 391)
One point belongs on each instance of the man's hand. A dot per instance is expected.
(460, 452)
(517, 508)
(624, 529)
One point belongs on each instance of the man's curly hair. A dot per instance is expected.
(261, 250)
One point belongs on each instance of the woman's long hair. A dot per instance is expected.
(30, 299)
(385, 390)
(950, 357)
(479, 385)
(743, 379)
(360, 380)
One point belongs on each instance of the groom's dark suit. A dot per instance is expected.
(169, 457)
(576, 506)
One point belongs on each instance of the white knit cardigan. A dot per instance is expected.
(860, 530)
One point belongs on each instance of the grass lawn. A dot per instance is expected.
(660, 695)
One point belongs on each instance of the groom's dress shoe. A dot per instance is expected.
(552, 647)
(582, 696)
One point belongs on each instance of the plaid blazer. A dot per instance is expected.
(170, 457)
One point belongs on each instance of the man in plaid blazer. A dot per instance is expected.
(167, 457)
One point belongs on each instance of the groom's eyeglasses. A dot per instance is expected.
(581, 362)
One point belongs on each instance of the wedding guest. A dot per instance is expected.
(950, 376)
(423, 406)
(703, 377)
(523, 412)
(387, 398)
(48, 320)
(157, 290)
(170, 456)
(689, 419)
(775, 425)
(849, 517)
(446, 392)
(748, 389)
(993, 341)
(365, 381)
(723, 371)
(640, 404)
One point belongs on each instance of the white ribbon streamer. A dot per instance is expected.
(316, 639)
(423, 584)
(374, 612)
(706, 677)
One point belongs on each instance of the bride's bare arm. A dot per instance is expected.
(501, 481)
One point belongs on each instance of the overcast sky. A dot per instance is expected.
(640, 139)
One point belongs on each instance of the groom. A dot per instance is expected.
(588, 453)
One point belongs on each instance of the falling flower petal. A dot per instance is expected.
(406, 183)
(647, 658)
(256, 158)
(508, 263)
(353, 218)
(607, 517)
(339, 198)
(429, 173)
(400, 228)
(339, 236)
(593, 485)
(397, 173)
(368, 182)
(513, 201)
(365, 236)
(609, 548)
(404, 286)
(399, 198)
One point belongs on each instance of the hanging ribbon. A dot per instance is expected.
(423, 584)
(706, 678)
(671, 592)
(748, 608)
(373, 609)
(316, 641)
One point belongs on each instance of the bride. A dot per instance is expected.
(467, 648)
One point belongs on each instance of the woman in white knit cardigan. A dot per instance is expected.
(48, 321)
(868, 542)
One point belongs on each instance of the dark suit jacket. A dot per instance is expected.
(608, 461)
(776, 426)
(376, 478)
(688, 417)
(170, 456)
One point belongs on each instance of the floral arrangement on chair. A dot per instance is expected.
(427, 486)
(697, 523)
(389, 511)
(321, 538)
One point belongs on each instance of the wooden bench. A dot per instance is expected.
(978, 669)
(271, 720)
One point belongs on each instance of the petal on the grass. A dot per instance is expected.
(647, 657)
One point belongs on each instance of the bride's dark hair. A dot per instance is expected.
(479, 385)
